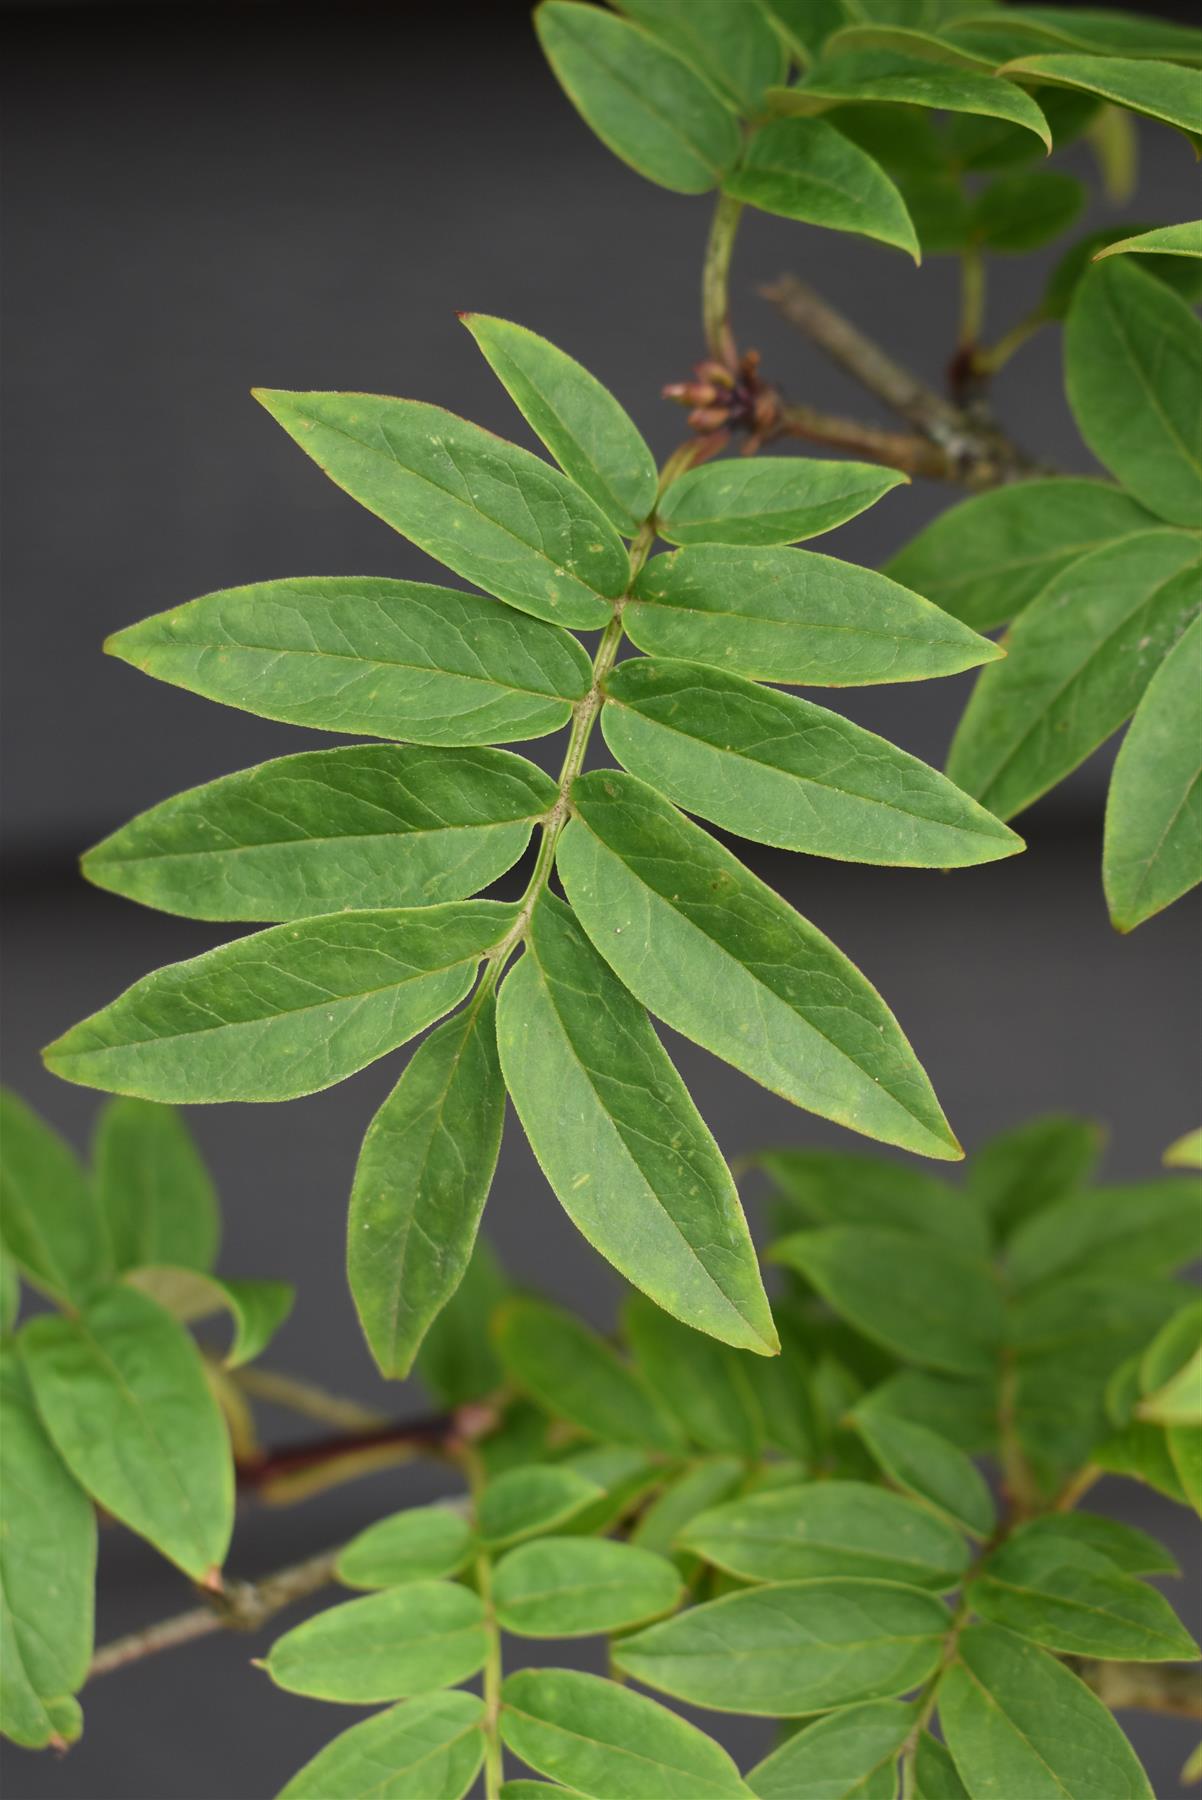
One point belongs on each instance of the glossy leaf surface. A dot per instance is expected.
(805, 169)
(887, 77)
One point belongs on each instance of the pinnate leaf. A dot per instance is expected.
(718, 956)
(386, 1646)
(489, 510)
(1130, 1550)
(430, 1748)
(774, 500)
(122, 1392)
(526, 1502)
(730, 42)
(849, 1755)
(805, 169)
(424, 1543)
(1073, 1600)
(929, 1467)
(285, 1011)
(579, 1586)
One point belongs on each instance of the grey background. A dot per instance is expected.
(204, 198)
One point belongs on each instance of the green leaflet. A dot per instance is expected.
(1185, 1152)
(926, 1465)
(885, 76)
(576, 1376)
(526, 1502)
(706, 1386)
(257, 1308)
(824, 1187)
(1104, 29)
(935, 1776)
(1153, 844)
(896, 31)
(962, 1410)
(565, 1587)
(1073, 1600)
(286, 1011)
(805, 169)
(1179, 1401)
(1016, 1174)
(492, 512)
(590, 436)
(430, 1748)
(578, 1728)
(925, 1301)
(1133, 360)
(829, 1528)
(1149, 1228)
(423, 1543)
(730, 42)
(53, 1229)
(366, 656)
(806, 24)
(421, 1181)
(457, 1361)
(780, 770)
(10, 1292)
(47, 1569)
(771, 500)
(1128, 1549)
(796, 616)
(1022, 211)
(1079, 660)
(643, 102)
(387, 1646)
(153, 1188)
(984, 560)
(745, 976)
(122, 1392)
(792, 1649)
(849, 1756)
(704, 1484)
(1180, 273)
(1017, 1720)
(370, 825)
(619, 1140)
(1158, 90)
(1161, 240)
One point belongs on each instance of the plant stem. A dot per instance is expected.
(972, 298)
(988, 359)
(715, 281)
(307, 1398)
(494, 1755)
(928, 1699)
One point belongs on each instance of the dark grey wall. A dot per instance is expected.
(204, 198)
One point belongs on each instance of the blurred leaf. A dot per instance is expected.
(1130, 1550)
(154, 1191)
(806, 24)
(528, 1501)
(387, 1646)
(423, 1543)
(929, 1467)
(560, 1587)
(935, 1776)
(730, 42)
(53, 1228)
(122, 1392)
(578, 1377)
(1073, 1600)
(804, 169)
(457, 1361)
(703, 1485)
(1149, 1228)
(824, 1187)
(703, 1384)
(849, 1755)
(1161, 240)
(428, 1749)
(643, 102)
(771, 500)
(1158, 90)
(886, 76)
(256, 1308)
(1020, 212)
(963, 1412)
(1186, 1152)
(1019, 1172)
(494, 513)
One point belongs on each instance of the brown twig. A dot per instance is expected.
(898, 450)
(1147, 1687)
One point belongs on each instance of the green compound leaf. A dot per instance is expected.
(886, 77)
(773, 500)
(984, 560)
(643, 102)
(719, 957)
(457, 1360)
(1017, 1720)
(286, 1011)
(823, 1187)
(797, 616)
(782, 771)
(1153, 844)
(154, 1190)
(576, 1376)
(589, 434)
(257, 1308)
(369, 657)
(526, 1502)
(1133, 360)
(925, 1301)
(1158, 90)
(805, 169)
(792, 1649)
(387, 1646)
(849, 1756)
(1073, 1600)
(730, 42)
(1016, 1174)
(122, 1392)
(608, 1740)
(489, 510)
(421, 1181)
(423, 1543)
(53, 1229)
(578, 1586)
(370, 825)
(1079, 660)
(430, 1748)
(47, 1569)
(708, 1387)
(1020, 212)
(929, 1467)
(1161, 240)
(1147, 1229)
(829, 1528)
(1129, 1550)
(619, 1139)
